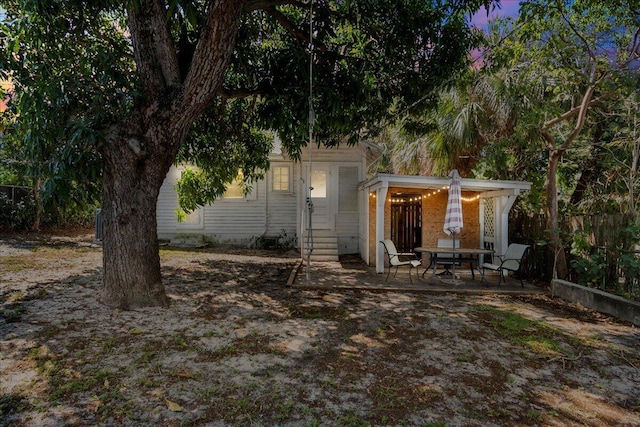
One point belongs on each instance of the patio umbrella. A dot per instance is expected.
(453, 218)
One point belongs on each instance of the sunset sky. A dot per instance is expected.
(507, 8)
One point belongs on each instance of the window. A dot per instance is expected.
(319, 183)
(190, 220)
(282, 179)
(235, 190)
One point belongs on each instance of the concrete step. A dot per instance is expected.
(325, 247)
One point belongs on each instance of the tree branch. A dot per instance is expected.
(578, 34)
(634, 44)
(549, 138)
(571, 113)
(582, 117)
(261, 4)
(155, 53)
(211, 57)
(300, 35)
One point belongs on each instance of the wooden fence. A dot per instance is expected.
(614, 256)
(16, 207)
(14, 193)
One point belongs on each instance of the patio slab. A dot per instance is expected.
(351, 273)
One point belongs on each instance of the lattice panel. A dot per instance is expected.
(489, 219)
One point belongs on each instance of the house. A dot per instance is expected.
(352, 213)
(277, 205)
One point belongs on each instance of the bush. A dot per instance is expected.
(281, 241)
(16, 216)
(588, 262)
(629, 264)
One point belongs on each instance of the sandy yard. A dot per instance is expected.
(239, 348)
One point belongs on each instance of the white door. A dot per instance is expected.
(321, 197)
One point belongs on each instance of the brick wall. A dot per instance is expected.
(433, 212)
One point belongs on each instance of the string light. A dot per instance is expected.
(424, 196)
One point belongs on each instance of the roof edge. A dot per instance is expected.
(430, 182)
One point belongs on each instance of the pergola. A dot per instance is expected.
(495, 197)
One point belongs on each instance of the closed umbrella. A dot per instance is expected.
(453, 218)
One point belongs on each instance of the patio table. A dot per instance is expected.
(465, 255)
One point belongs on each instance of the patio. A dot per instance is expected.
(352, 273)
(410, 210)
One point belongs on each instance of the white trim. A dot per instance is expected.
(289, 189)
(381, 198)
(500, 193)
(432, 182)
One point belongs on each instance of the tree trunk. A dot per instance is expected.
(133, 174)
(592, 168)
(141, 148)
(561, 269)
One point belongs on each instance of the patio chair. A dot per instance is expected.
(510, 261)
(398, 259)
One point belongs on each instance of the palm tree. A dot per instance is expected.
(479, 111)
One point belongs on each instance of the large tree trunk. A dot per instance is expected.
(141, 148)
(131, 260)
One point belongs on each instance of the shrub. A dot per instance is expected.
(16, 215)
(588, 262)
(281, 241)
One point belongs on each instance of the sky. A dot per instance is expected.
(507, 8)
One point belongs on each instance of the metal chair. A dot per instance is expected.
(399, 259)
(510, 261)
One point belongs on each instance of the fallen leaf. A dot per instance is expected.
(95, 405)
(173, 406)
(157, 392)
(182, 373)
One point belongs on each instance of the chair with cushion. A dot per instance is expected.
(399, 259)
(510, 261)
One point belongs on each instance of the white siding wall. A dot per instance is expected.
(363, 208)
(340, 154)
(227, 221)
(236, 221)
(167, 205)
(281, 207)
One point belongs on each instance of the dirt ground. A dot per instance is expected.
(238, 347)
